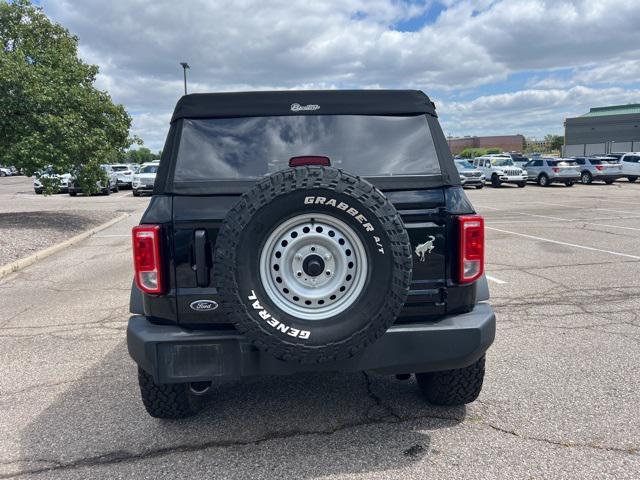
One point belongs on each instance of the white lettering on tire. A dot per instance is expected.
(272, 322)
(361, 219)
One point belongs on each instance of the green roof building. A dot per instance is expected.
(603, 130)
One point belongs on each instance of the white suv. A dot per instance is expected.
(500, 169)
(631, 165)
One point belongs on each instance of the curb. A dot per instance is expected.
(31, 259)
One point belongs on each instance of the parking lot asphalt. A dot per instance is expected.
(30, 222)
(560, 398)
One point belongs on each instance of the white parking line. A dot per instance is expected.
(584, 208)
(584, 247)
(494, 279)
(560, 219)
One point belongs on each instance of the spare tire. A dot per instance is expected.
(312, 264)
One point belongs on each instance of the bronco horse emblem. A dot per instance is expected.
(425, 248)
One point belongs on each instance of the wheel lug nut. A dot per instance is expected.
(298, 257)
(327, 256)
(299, 274)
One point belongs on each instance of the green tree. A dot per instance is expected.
(555, 142)
(141, 155)
(50, 112)
(473, 152)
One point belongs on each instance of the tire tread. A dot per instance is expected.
(453, 387)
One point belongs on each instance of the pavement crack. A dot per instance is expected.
(378, 401)
(566, 444)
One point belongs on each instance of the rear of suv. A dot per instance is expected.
(307, 231)
(598, 168)
(545, 171)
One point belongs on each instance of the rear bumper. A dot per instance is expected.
(604, 177)
(565, 178)
(173, 354)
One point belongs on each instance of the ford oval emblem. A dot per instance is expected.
(203, 305)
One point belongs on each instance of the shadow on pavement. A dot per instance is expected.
(305, 425)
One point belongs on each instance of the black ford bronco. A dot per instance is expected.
(307, 231)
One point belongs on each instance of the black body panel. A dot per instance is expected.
(425, 213)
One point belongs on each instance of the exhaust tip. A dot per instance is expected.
(199, 388)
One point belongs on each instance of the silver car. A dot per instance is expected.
(545, 171)
(606, 169)
(470, 176)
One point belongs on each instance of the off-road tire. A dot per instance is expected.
(480, 186)
(279, 197)
(170, 400)
(632, 179)
(522, 184)
(495, 181)
(453, 387)
(73, 194)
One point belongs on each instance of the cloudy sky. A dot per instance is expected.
(492, 67)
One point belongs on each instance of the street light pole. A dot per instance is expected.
(185, 65)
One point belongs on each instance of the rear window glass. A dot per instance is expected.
(561, 163)
(119, 168)
(250, 147)
(149, 169)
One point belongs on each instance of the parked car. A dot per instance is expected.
(470, 176)
(545, 171)
(519, 160)
(63, 181)
(616, 155)
(304, 249)
(124, 174)
(631, 165)
(602, 168)
(5, 172)
(144, 180)
(500, 169)
(106, 189)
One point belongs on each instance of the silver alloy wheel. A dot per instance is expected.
(335, 252)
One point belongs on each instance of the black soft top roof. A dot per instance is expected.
(300, 102)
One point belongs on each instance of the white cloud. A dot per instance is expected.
(533, 112)
(277, 44)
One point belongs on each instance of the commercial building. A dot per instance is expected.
(603, 130)
(506, 143)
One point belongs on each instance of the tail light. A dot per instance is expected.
(471, 248)
(147, 260)
(555, 169)
(599, 167)
(309, 160)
